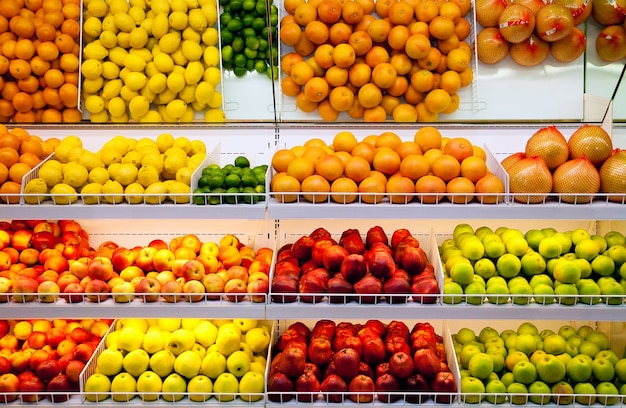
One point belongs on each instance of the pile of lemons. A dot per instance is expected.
(151, 61)
(150, 171)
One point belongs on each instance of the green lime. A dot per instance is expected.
(241, 162)
(248, 32)
(227, 38)
(198, 197)
(232, 180)
(235, 24)
(236, 5)
(260, 66)
(263, 44)
(273, 20)
(238, 44)
(247, 20)
(249, 180)
(207, 171)
(240, 71)
(250, 55)
(249, 196)
(204, 181)
(272, 73)
(252, 43)
(274, 55)
(260, 189)
(273, 10)
(240, 60)
(258, 24)
(250, 65)
(216, 196)
(227, 9)
(260, 8)
(227, 53)
(216, 182)
(225, 19)
(230, 198)
(228, 64)
(249, 5)
(228, 168)
(206, 190)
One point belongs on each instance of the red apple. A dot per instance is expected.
(293, 360)
(347, 361)
(54, 336)
(351, 240)
(30, 389)
(398, 235)
(401, 365)
(338, 285)
(279, 388)
(172, 291)
(353, 268)
(418, 384)
(313, 282)
(307, 386)
(213, 283)
(5, 239)
(48, 369)
(333, 257)
(37, 340)
(83, 352)
(100, 268)
(122, 257)
(60, 387)
(320, 351)
(73, 293)
(428, 287)
(73, 370)
(380, 264)
(443, 382)
(145, 256)
(43, 239)
(374, 351)
(21, 239)
(281, 286)
(369, 287)
(319, 247)
(385, 385)
(361, 389)
(229, 256)
(19, 361)
(24, 289)
(66, 346)
(258, 289)
(376, 234)
(426, 362)
(413, 260)
(302, 248)
(333, 387)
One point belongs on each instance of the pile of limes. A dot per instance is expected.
(249, 43)
(235, 183)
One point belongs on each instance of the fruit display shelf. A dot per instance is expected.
(357, 396)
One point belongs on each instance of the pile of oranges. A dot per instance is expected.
(430, 168)
(20, 152)
(403, 59)
(39, 64)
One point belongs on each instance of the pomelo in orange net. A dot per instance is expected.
(530, 175)
(549, 144)
(576, 176)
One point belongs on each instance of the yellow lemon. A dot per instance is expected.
(113, 169)
(160, 25)
(164, 141)
(183, 174)
(34, 189)
(184, 143)
(110, 70)
(91, 68)
(126, 174)
(196, 160)
(63, 194)
(113, 192)
(211, 56)
(92, 26)
(117, 55)
(133, 157)
(133, 193)
(160, 7)
(179, 192)
(112, 89)
(95, 50)
(134, 62)
(193, 72)
(109, 156)
(108, 39)
(156, 193)
(178, 20)
(169, 42)
(98, 8)
(91, 193)
(210, 36)
(135, 80)
(214, 116)
(124, 22)
(116, 106)
(51, 174)
(98, 175)
(175, 82)
(90, 160)
(94, 104)
(147, 175)
(118, 6)
(176, 108)
(153, 159)
(197, 20)
(212, 75)
(74, 174)
(192, 50)
(138, 106)
(138, 14)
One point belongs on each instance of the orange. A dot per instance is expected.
(71, 28)
(21, 133)
(290, 33)
(25, 117)
(361, 42)
(423, 80)
(372, 190)
(22, 102)
(305, 13)
(467, 76)
(458, 60)
(344, 141)
(17, 171)
(344, 156)
(336, 76)
(450, 81)
(54, 78)
(430, 188)
(357, 168)
(489, 189)
(329, 11)
(65, 43)
(398, 36)
(29, 84)
(71, 115)
(371, 139)
(6, 109)
(29, 159)
(38, 66)
(388, 139)
(382, 7)
(401, 62)
(316, 89)
(10, 9)
(341, 98)
(459, 147)
(364, 23)
(473, 168)
(426, 10)
(304, 47)
(288, 61)
(22, 27)
(10, 140)
(315, 184)
(384, 75)
(300, 168)
(301, 72)
(344, 55)
(441, 27)
(291, 5)
(54, 17)
(286, 184)
(9, 90)
(344, 190)
(19, 69)
(52, 5)
(379, 30)
(359, 74)
(330, 167)
(339, 33)
(368, 6)
(455, 102)
(324, 55)
(9, 192)
(401, 13)
(52, 116)
(24, 49)
(461, 190)
(400, 190)
(8, 48)
(32, 145)
(51, 96)
(462, 29)
(304, 104)
(314, 153)
(377, 55)
(315, 142)
(437, 100)
(4, 173)
(375, 114)
(289, 87)
(446, 167)
(399, 86)
(412, 96)
(369, 95)
(47, 50)
(432, 59)
(69, 95)
(478, 151)
(407, 148)
(389, 103)
(281, 159)
(4, 64)
(381, 176)
(447, 45)
(414, 166)
(71, 78)
(404, 113)
(387, 161)
(9, 156)
(317, 70)
(352, 12)
(417, 46)
(317, 32)
(356, 111)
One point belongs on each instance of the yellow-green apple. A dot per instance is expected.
(153, 341)
(225, 387)
(78, 267)
(172, 291)
(228, 339)
(174, 387)
(193, 270)
(238, 363)
(235, 290)
(101, 268)
(124, 292)
(169, 324)
(149, 386)
(131, 272)
(97, 387)
(129, 338)
(123, 387)
(194, 291)
(144, 258)
(180, 341)
(251, 386)
(205, 333)
(474, 388)
(200, 388)
(187, 364)
(48, 292)
(213, 364)
(258, 338)
(229, 256)
(163, 260)
(259, 266)
(115, 280)
(158, 244)
(162, 362)
(149, 289)
(109, 362)
(136, 362)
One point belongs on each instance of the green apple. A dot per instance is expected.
(524, 372)
(462, 273)
(508, 265)
(205, 333)
(620, 369)
(550, 369)
(462, 228)
(571, 348)
(481, 231)
(97, 387)
(548, 231)
(497, 294)
(258, 338)
(564, 358)
(589, 348)
(480, 366)
(180, 341)
(453, 291)
(169, 324)
(153, 341)
(526, 343)
(600, 241)
(610, 355)
(554, 344)
(136, 362)
(190, 323)
(527, 328)
(539, 392)
(487, 332)
(533, 263)
(615, 238)
(130, 338)
(566, 294)
(566, 271)
(473, 388)
(537, 354)
(607, 393)
(613, 292)
(472, 248)
(465, 335)
(494, 248)
(110, 362)
(550, 247)
(251, 386)
(187, 364)
(213, 364)
(162, 362)
(578, 235)
(543, 294)
(226, 386)
(228, 340)
(497, 358)
(200, 388)
(496, 392)
(507, 378)
(585, 393)
(617, 253)
(467, 352)
(174, 387)
(600, 338)
(589, 291)
(149, 385)
(603, 369)
(518, 393)
(516, 245)
(579, 369)
(123, 387)
(562, 393)
(513, 358)
(238, 363)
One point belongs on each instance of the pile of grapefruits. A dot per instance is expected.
(39, 64)
(374, 60)
(429, 168)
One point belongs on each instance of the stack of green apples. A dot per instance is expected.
(528, 365)
(542, 266)
(172, 359)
